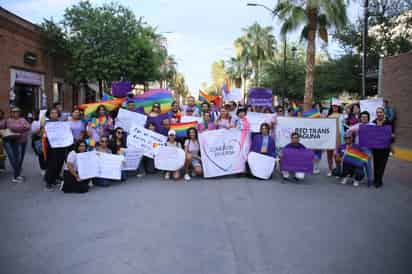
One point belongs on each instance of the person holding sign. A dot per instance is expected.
(71, 179)
(207, 123)
(103, 147)
(147, 163)
(242, 123)
(380, 155)
(294, 144)
(192, 150)
(350, 160)
(15, 140)
(263, 143)
(171, 142)
(334, 112)
(224, 120)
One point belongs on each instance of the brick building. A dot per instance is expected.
(397, 88)
(29, 77)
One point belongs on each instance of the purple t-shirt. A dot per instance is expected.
(295, 146)
(77, 127)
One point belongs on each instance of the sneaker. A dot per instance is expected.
(167, 176)
(316, 171)
(20, 178)
(16, 181)
(49, 188)
(140, 175)
(329, 174)
(344, 181)
(187, 177)
(356, 183)
(43, 172)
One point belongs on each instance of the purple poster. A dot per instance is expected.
(297, 160)
(260, 97)
(121, 89)
(372, 136)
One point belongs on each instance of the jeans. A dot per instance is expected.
(15, 152)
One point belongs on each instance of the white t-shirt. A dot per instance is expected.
(72, 159)
(35, 126)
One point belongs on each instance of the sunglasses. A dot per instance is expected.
(119, 132)
(172, 135)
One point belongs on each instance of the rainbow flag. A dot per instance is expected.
(226, 86)
(204, 97)
(355, 157)
(106, 97)
(312, 113)
(90, 109)
(146, 100)
(181, 128)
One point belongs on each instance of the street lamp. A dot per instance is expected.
(273, 12)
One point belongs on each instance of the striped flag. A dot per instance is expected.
(312, 113)
(181, 128)
(355, 157)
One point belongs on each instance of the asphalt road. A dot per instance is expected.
(227, 225)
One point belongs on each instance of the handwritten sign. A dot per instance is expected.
(261, 166)
(169, 158)
(87, 165)
(372, 136)
(297, 160)
(188, 119)
(127, 119)
(256, 119)
(59, 134)
(94, 164)
(145, 140)
(132, 159)
(370, 105)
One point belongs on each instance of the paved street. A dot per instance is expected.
(231, 225)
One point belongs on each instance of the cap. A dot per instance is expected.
(171, 132)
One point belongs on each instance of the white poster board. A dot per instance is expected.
(127, 119)
(261, 166)
(145, 140)
(256, 119)
(132, 158)
(188, 119)
(94, 164)
(370, 105)
(234, 95)
(59, 134)
(169, 158)
(314, 133)
(224, 151)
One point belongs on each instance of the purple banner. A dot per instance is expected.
(297, 160)
(371, 136)
(260, 97)
(121, 89)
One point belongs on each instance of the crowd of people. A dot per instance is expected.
(59, 168)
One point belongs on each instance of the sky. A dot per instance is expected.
(198, 32)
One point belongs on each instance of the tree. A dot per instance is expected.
(317, 17)
(179, 86)
(218, 76)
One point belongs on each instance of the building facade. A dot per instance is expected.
(397, 89)
(29, 77)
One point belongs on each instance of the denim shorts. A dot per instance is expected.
(196, 162)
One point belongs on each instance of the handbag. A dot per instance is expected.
(7, 134)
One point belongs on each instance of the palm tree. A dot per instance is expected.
(258, 44)
(316, 17)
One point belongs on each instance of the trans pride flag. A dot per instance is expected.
(312, 113)
(181, 128)
(146, 100)
(355, 157)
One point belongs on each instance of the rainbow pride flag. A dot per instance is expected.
(204, 97)
(110, 105)
(146, 100)
(312, 113)
(181, 128)
(355, 157)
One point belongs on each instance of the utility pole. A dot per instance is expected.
(365, 45)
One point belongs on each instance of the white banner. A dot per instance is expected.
(188, 119)
(234, 95)
(127, 119)
(224, 151)
(256, 119)
(370, 105)
(59, 134)
(132, 158)
(261, 166)
(314, 133)
(169, 158)
(145, 140)
(98, 164)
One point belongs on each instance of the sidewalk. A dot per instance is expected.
(399, 171)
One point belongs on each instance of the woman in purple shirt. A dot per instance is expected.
(76, 124)
(207, 123)
(263, 143)
(15, 145)
(294, 144)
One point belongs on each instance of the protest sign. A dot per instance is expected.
(188, 119)
(256, 119)
(95, 164)
(121, 89)
(372, 136)
(169, 158)
(234, 94)
(314, 133)
(145, 140)
(59, 134)
(261, 166)
(297, 160)
(223, 151)
(132, 158)
(370, 105)
(127, 119)
(260, 97)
